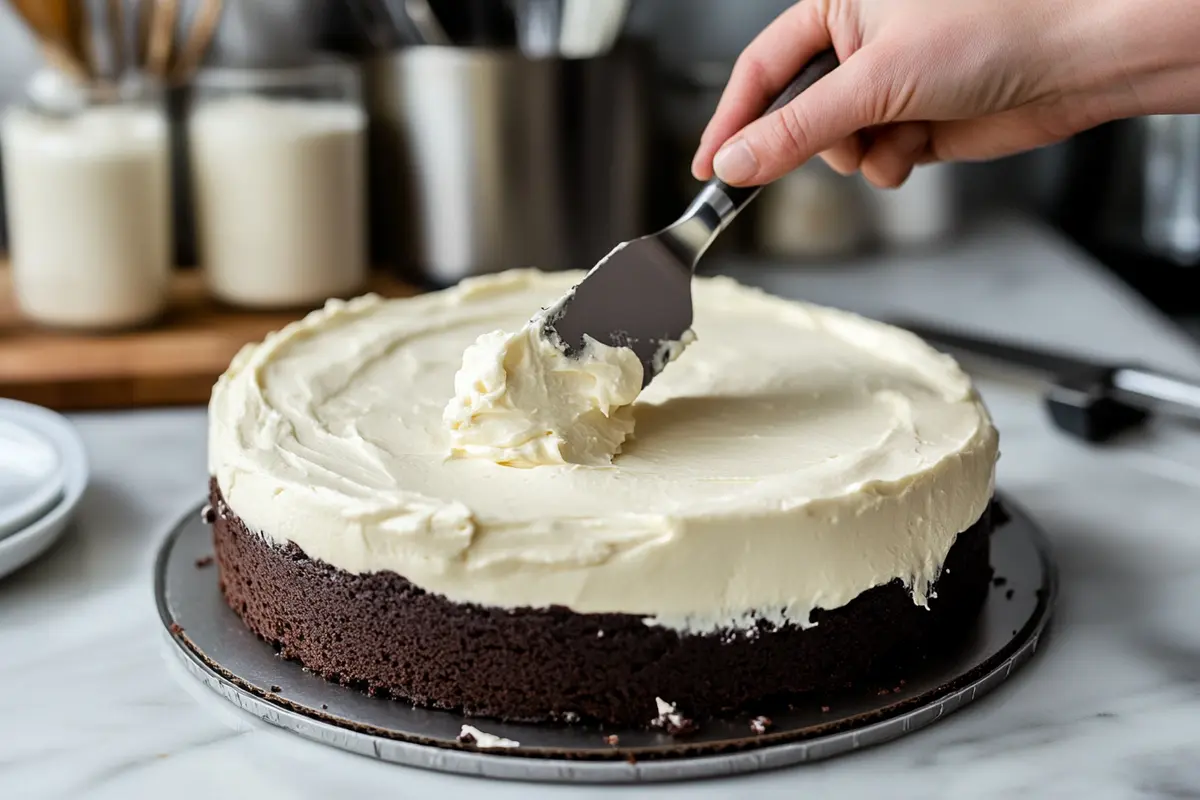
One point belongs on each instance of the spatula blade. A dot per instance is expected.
(639, 296)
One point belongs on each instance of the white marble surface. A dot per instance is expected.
(1110, 708)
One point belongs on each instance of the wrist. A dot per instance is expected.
(1138, 57)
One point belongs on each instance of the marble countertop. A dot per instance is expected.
(93, 707)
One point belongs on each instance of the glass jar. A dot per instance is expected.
(278, 173)
(87, 181)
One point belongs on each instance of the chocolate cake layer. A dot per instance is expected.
(383, 634)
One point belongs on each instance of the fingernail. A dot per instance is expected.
(735, 162)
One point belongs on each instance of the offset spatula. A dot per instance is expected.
(640, 295)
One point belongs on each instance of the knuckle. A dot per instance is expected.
(792, 133)
(886, 95)
(750, 71)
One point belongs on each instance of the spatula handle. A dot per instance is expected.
(728, 200)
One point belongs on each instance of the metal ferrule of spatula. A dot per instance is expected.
(640, 295)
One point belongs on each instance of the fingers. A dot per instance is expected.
(995, 136)
(895, 150)
(761, 72)
(846, 156)
(833, 109)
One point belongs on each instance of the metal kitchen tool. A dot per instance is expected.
(568, 28)
(482, 159)
(426, 23)
(268, 34)
(1087, 399)
(381, 24)
(220, 653)
(640, 295)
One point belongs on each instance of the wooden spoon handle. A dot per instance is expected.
(116, 33)
(162, 37)
(199, 37)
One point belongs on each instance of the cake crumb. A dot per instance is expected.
(599, 634)
(206, 561)
(999, 581)
(275, 688)
(824, 709)
(208, 515)
(760, 725)
(469, 734)
(612, 739)
(176, 628)
(670, 720)
(324, 706)
(1009, 594)
(570, 716)
(882, 692)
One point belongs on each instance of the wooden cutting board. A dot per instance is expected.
(174, 363)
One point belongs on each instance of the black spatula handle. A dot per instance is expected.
(740, 196)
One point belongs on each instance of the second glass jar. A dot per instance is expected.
(277, 162)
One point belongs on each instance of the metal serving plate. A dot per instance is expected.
(221, 653)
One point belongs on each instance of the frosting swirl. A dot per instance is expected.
(519, 401)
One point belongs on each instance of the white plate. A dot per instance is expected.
(22, 546)
(31, 475)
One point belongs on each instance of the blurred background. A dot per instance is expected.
(312, 148)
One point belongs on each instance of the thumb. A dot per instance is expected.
(832, 109)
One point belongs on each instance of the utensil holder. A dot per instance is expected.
(484, 160)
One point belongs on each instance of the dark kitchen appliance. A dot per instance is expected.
(1132, 197)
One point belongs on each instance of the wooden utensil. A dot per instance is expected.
(53, 22)
(158, 26)
(161, 38)
(200, 34)
(116, 32)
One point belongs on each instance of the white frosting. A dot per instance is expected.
(668, 715)
(518, 400)
(485, 740)
(794, 458)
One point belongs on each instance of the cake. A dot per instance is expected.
(800, 503)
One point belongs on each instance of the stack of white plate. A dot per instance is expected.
(43, 472)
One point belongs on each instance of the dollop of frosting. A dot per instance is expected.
(520, 401)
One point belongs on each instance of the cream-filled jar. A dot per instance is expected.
(279, 184)
(87, 183)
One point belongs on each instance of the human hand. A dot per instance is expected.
(933, 80)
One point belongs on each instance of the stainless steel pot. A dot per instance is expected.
(483, 160)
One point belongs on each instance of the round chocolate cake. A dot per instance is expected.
(412, 501)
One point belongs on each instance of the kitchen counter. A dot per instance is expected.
(93, 706)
